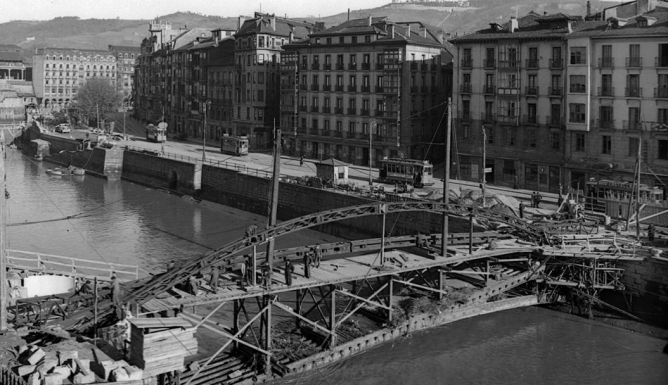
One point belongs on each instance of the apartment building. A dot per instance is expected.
(365, 85)
(59, 72)
(125, 71)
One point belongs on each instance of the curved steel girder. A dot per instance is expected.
(169, 279)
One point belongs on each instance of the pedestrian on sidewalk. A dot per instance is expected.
(301, 161)
(521, 210)
(538, 199)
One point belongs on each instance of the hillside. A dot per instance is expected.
(99, 33)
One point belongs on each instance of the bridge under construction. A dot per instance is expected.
(238, 315)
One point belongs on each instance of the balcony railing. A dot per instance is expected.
(303, 108)
(338, 134)
(414, 89)
(661, 92)
(512, 120)
(606, 123)
(315, 87)
(315, 66)
(326, 110)
(366, 89)
(352, 111)
(633, 126)
(488, 117)
(530, 119)
(379, 89)
(578, 88)
(556, 63)
(489, 89)
(512, 64)
(532, 63)
(352, 88)
(606, 91)
(634, 61)
(531, 90)
(326, 87)
(606, 62)
(366, 66)
(303, 87)
(424, 89)
(304, 66)
(467, 63)
(327, 66)
(338, 88)
(661, 61)
(633, 92)
(555, 91)
(339, 66)
(414, 66)
(489, 63)
(463, 88)
(553, 120)
(380, 66)
(338, 110)
(315, 109)
(464, 115)
(365, 112)
(314, 131)
(352, 66)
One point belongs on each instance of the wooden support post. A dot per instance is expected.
(254, 267)
(94, 311)
(471, 234)
(440, 284)
(487, 271)
(4, 293)
(446, 181)
(332, 318)
(298, 307)
(382, 243)
(389, 299)
(268, 334)
(235, 320)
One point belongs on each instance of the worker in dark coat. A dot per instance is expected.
(115, 291)
(522, 210)
(307, 265)
(288, 272)
(213, 280)
(651, 232)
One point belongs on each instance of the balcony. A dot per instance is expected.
(466, 63)
(531, 63)
(530, 119)
(327, 87)
(338, 88)
(424, 89)
(303, 108)
(531, 91)
(632, 126)
(380, 89)
(606, 124)
(606, 91)
(507, 120)
(464, 115)
(661, 92)
(463, 88)
(661, 61)
(555, 91)
(424, 67)
(633, 92)
(380, 113)
(554, 121)
(489, 63)
(514, 90)
(435, 89)
(327, 67)
(365, 113)
(557, 63)
(315, 66)
(366, 89)
(606, 62)
(339, 66)
(326, 110)
(489, 89)
(303, 87)
(414, 89)
(366, 66)
(634, 61)
(338, 110)
(304, 66)
(488, 117)
(315, 87)
(352, 111)
(352, 88)
(414, 66)
(509, 64)
(380, 66)
(577, 88)
(352, 66)
(315, 109)
(314, 131)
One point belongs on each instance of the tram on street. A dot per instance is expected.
(156, 133)
(610, 190)
(410, 171)
(235, 145)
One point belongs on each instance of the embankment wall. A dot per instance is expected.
(161, 172)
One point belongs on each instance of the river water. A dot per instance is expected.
(121, 222)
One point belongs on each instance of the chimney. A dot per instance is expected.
(588, 8)
(424, 32)
(408, 31)
(273, 23)
(291, 38)
(441, 36)
(513, 24)
(570, 27)
(370, 21)
(240, 22)
(392, 31)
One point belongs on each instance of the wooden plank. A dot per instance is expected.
(160, 322)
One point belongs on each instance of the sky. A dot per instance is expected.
(148, 9)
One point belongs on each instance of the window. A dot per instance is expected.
(510, 137)
(490, 135)
(556, 140)
(577, 113)
(662, 116)
(663, 149)
(579, 142)
(606, 144)
(466, 131)
(531, 113)
(578, 83)
(341, 40)
(326, 125)
(633, 147)
(339, 126)
(633, 85)
(578, 55)
(634, 118)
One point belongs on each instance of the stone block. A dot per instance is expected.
(46, 366)
(65, 370)
(21, 349)
(118, 375)
(25, 370)
(53, 379)
(82, 366)
(64, 356)
(36, 356)
(34, 379)
(81, 378)
(103, 368)
(134, 373)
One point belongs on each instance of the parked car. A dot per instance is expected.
(64, 128)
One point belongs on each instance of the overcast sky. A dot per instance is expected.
(148, 9)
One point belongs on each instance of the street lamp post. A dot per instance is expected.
(206, 107)
(373, 123)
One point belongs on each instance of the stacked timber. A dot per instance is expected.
(159, 345)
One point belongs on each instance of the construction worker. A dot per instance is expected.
(522, 210)
(651, 232)
(317, 254)
(213, 281)
(288, 272)
(307, 264)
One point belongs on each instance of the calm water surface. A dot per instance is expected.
(116, 221)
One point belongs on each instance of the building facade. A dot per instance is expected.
(59, 72)
(365, 85)
(125, 71)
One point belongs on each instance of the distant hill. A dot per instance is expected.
(71, 32)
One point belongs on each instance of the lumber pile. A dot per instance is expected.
(159, 345)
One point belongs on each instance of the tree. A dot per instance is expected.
(97, 93)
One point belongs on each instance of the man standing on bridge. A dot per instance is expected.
(116, 296)
(307, 264)
(213, 281)
(288, 272)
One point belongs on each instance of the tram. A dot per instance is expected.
(610, 190)
(235, 145)
(156, 133)
(410, 171)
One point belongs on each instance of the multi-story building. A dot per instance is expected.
(17, 97)
(59, 72)
(550, 101)
(365, 83)
(259, 44)
(125, 71)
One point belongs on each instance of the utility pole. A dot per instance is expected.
(206, 107)
(97, 111)
(273, 208)
(373, 123)
(484, 163)
(3, 240)
(446, 182)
